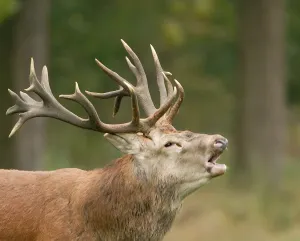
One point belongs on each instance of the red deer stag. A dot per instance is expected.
(137, 197)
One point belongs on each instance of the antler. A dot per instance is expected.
(29, 108)
(141, 89)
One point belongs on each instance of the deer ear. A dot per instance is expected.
(126, 143)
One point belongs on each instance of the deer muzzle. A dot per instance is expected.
(215, 169)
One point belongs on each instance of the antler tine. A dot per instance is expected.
(172, 112)
(78, 97)
(163, 109)
(142, 80)
(109, 94)
(29, 108)
(134, 104)
(142, 88)
(142, 91)
(159, 77)
(115, 76)
(168, 82)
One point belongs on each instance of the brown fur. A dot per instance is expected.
(109, 204)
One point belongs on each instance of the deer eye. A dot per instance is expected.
(168, 144)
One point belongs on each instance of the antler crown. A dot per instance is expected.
(170, 99)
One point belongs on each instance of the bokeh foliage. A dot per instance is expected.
(7, 8)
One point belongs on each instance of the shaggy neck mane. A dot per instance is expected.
(124, 200)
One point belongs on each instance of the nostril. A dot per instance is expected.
(221, 143)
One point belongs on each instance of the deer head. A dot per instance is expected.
(183, 159)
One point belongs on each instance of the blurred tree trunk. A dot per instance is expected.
(5, 83)
(262, 112)
(30, 40)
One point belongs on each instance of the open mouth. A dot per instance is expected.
(213, 168)
(214, 157)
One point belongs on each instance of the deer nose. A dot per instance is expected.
(221, 143)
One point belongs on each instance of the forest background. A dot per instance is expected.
(238, 61)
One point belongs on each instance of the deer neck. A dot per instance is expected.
(127, 200)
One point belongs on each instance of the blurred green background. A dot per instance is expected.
(239, 63)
